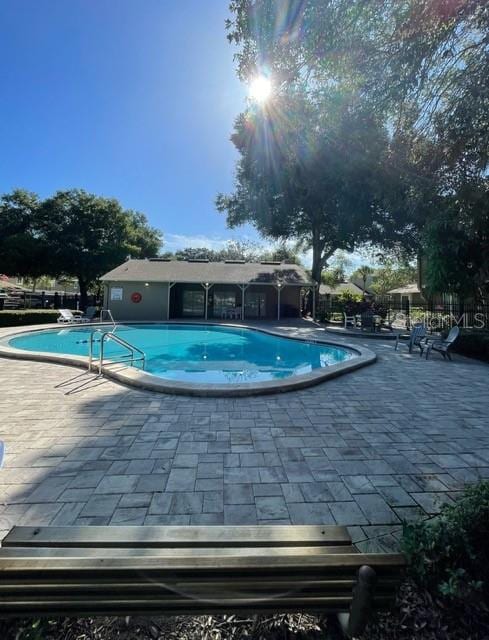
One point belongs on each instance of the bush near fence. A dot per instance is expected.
(28, 316)
(473, 343)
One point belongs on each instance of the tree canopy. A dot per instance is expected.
(22, 250)
(237, 250)
(420, 68)
(72, 233)
(307, 172)
(424, 62)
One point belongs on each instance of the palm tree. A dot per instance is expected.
(364, 272)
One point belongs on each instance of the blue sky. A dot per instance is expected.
(125, 98)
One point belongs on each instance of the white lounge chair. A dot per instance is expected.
(67, 317)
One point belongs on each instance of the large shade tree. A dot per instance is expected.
(22, 251)
(422, 67)
(88, 235)
(73, 233)
(425, 63)
(307, 172)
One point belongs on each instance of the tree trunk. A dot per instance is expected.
(321, 253)
(83, 285)
(317, 256)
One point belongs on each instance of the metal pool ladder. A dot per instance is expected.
(135, 354)
(108, 313)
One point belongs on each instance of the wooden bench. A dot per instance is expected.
(193, 570)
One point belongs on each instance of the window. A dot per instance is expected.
(193, 303)
(223, 301)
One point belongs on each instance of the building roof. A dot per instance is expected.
(359, 282)
(343, 287)
(229, 272)
(407, 288)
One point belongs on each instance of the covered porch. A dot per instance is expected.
(244, 301)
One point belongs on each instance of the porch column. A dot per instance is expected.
(243, 288)
(279, 287)
(314, 302)
(206, 286)
(170, 285)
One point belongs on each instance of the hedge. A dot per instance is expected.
(28, 316)
(473, 343)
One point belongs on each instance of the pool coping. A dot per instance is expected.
(134, 377)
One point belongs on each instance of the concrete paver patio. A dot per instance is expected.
(386, 443)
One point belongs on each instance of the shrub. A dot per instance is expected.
(473, 343)
(28, 316)
(449, 554)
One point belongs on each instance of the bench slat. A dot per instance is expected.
(175, 536)
(108, 606)
(134, 561)
(199, 552)
(224, 589)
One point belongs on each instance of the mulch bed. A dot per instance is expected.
(417, 616)
(420, 616)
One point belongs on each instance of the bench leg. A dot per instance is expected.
(362, 604)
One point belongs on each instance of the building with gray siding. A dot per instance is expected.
(158, 289)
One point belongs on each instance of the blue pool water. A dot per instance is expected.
(197, 353)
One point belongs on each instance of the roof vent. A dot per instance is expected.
(234, 261)
(270, 262)
(198, 260)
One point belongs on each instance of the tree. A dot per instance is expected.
(422, 67)
(88, 235)
(335, 273)
(423, 63)
(363, 272)
(456, 243)
(392, 275)
(22, 251)
(237, 250)
(307, 172)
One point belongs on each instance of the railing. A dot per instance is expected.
(108, 313)
(433, 315)
(135, 354)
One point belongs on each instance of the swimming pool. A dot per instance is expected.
(201, 354)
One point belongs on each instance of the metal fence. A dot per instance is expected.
(44, 300)
(432, 315)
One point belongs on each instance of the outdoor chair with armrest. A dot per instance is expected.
(367, 320)
(414, 338)
(90, 314)
(349, 320)
(441, 345)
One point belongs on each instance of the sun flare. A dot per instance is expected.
(260, 89)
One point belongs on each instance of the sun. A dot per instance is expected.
(260, 89)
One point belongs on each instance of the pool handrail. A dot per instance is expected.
(109, 335)
(108, 312)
